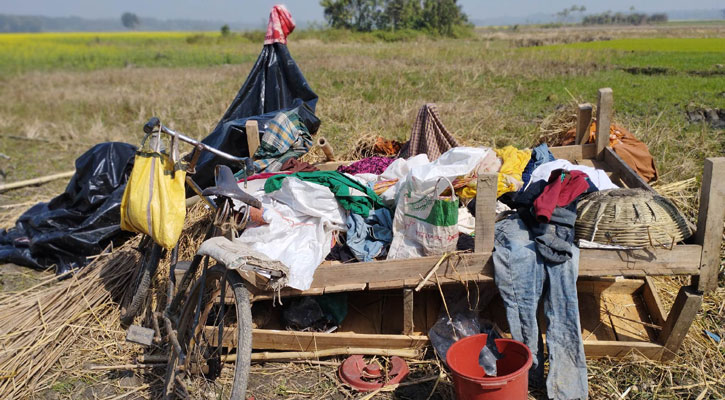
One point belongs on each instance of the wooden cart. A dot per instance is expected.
(619, 306)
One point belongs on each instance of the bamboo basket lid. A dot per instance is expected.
(630, 217)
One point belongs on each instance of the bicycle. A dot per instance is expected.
(200, 317)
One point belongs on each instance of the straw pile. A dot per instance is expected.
(553, 129)
(40, 324)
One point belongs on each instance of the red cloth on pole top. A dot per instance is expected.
(280, 25)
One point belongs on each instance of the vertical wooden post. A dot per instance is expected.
(710, 223)
(605, 107)
(252, 130)
(408, 312)
(485, 211)
(583, 121)
(687, 304)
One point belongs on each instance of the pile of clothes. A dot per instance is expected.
(354, 215)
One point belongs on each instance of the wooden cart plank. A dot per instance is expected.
(401, 270)
(310, 341)
(408, 312)
(575, 153)
(617, 349)
(485, 211)
(266, 339)
(583, 121)
(605, 109)
(687, 304)
(710, 223)
(393, 274)
(621, 169)
(652, 300)
(683, 259)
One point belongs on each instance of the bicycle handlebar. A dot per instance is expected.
(151, 125)
(155, 123)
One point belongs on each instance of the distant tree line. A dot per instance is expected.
(609, 18)
(439, 16)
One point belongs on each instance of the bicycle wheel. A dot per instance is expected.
(218, 348)
(146, 271)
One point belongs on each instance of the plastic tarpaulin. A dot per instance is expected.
(275, 83)
(78, 223)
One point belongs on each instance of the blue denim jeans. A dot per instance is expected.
(523, 277)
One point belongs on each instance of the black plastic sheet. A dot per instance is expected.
(78, 223)
(274, 84)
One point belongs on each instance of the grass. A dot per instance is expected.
(62, 93)
(666, 45)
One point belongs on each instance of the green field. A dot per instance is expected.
(62, 93)
(102, 86)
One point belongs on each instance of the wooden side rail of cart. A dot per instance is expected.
(620, 309)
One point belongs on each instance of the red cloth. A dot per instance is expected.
(563, 188)
(264, 175)
(280, 25)
(294, 165)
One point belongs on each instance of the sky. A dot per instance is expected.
(310, 10)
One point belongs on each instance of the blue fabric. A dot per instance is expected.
(368, 237)
(523, 278)
(539, 155)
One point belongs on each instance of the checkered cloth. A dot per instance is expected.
(285, 137)
(429, 135)
(280, 25)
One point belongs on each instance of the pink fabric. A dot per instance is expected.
(280, 25)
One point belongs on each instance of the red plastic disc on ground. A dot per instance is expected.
(367, 377)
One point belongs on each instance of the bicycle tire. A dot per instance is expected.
(149, 264)
(242, 333)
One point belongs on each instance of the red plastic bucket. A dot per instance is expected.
(470, 380)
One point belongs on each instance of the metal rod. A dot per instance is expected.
(201, 145)
(222, 298)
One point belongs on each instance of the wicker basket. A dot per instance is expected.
(630, 217)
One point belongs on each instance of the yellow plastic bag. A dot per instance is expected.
(154, 201)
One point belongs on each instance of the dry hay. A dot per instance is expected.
(314, 156)
(362, 148)
(40, 326)
(682, 193)
(553, 129)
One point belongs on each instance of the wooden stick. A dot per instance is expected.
(605, 107)
(27, 203)
(653, 326)
(709, 223)
(35, 181)
(252, 129)
(433, 270)
(583, 121)
(341, 351)
(124, 367)
(326, 148)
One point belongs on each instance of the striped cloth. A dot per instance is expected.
(285, 137)
(429, 135)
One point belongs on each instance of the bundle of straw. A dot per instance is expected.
(43, 323)
(40, 324)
